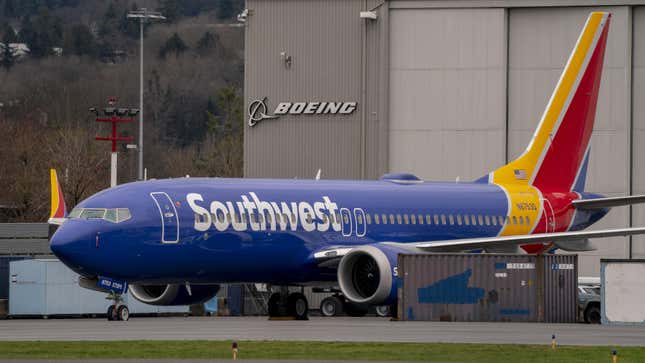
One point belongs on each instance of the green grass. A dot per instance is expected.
(431, 352)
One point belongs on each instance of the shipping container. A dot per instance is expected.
(622, 293)
(47, 287)
(488, 287)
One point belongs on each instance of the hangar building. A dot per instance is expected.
(441, 89)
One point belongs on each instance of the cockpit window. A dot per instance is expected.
(93, 213)
(114, 215)
(123, 214)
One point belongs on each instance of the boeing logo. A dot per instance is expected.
(258, 109)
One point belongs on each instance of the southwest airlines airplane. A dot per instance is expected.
(173, 241)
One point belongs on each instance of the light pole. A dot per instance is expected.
(143, 15)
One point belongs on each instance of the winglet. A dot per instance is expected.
(58, 210)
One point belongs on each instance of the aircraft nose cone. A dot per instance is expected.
(70, 245)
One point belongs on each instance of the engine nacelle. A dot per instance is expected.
(173, 294)
(367, 275)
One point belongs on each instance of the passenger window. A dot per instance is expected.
(384, 218)
(244, 218)
(406, 219)
(377, 220)
(487, 220)
(368, 218)
(359, 219)
(428, 219)
(501, 220)
(413, 218)
(493, 220)
(398, 219)
(309, 219)
(391, 218)
(278, 218)
(443, 219)
(252, 217)
(436, 219)
(228, 217)
(528, 221)
(521, 221)
(514, 220)
(420, 219)
(459, 221)
(473, 220)
(293, 218)
(451, 219)
(345, 219)
(324, 219)
(480, 219)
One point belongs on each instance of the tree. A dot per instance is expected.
(6, 60)
(8, 34)
(80, 41)
(171, 9)
(175, 45)
(207, 42)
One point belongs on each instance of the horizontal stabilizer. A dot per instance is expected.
(600, 203)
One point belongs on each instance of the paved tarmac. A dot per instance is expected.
(317, 329)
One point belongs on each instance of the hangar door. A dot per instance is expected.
(447, 92)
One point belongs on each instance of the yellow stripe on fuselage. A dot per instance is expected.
(524, 202)
(527, 162)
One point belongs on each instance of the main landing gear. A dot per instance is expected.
(118, 310)
(288, 305)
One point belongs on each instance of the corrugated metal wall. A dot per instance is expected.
(24, 238)
(324, 40)
(482, 287)
(447, 92)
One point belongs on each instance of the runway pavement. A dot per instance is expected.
(317, 329)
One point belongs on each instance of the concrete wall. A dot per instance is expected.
(622, 292)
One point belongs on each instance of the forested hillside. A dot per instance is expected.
(58, 58)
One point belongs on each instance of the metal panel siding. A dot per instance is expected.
(324, 39)
(23, 230)
(560, 288)
(47, 287)
(478, 287)
(447, 92)
(638, 119)
(4, 274)
(540, 41)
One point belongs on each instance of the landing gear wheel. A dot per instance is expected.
(110, 313)
(383, 310)
(123, 313)
(331, 306)
(357, 310)
(297, 306)
(274, 305)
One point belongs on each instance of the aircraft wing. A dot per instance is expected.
(488, 242)
(599, 203)
(331, 256)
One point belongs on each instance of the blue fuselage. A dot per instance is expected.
(259, 230)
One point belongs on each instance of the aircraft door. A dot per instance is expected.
(169, 217)
(346, 221)
(359, 217)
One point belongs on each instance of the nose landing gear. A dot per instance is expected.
(118, 310)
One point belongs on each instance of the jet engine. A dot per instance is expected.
(174, 294)
(367, 275)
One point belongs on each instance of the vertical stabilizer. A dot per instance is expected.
(555, 157)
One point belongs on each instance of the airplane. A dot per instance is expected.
(174, 241)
